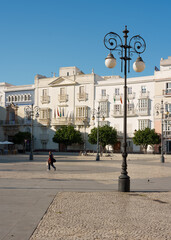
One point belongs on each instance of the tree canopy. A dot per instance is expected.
(20, 137)
(67, 135)
(146, 137)
(107, 136)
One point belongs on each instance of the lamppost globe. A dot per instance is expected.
(139, 65)
(110, 61)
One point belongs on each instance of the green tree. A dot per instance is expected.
(107, 136)
(68, 136)
(21, 137)
(146, 137)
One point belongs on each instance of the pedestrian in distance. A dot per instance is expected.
(51, 160)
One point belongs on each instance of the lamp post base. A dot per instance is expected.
(97, 157)
(124, 183)
(162, 159)
(31, 156)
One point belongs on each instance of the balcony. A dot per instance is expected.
(79, 121)
(82, 96)
(61, 121)
(131, 96)
(167, 93)
(45, 99)
(118, 113)
(117, 97)
(131, 113)
(143, 111)
(44, 121)
(144, 94)
(104, 98)
(62, 97)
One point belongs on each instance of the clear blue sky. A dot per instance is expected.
(39, 36)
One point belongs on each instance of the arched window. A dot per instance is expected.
(12, 98)
(19, 98)
(22, 97)
(15, 98)
(29, 97)
(25, 97)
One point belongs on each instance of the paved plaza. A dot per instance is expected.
(80, 199)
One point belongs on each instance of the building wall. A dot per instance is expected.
(163, 93)
(72, 97)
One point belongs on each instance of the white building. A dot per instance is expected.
(71, 97)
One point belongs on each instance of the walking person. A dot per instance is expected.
(51, 160)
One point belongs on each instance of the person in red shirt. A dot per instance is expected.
(51, 160)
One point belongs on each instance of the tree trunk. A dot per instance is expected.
(146, 149)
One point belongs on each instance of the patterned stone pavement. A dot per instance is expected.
(109, 215)
(80, 199)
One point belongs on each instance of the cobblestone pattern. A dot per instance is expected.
(107, 216)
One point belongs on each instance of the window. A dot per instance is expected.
(167, 128)
(81, 90)
(62, 91)
(29, 97)
(143, 89)
(45, 113)
(116, 91)
(143, 104)
(143, 123)
(25, 97)
(67, 73)
(168, 88)
(44, 92)
(104, 109)
(129, 90)
(103, 92)
(168, 108)
(130, 107)
(81, 111)
(117, 108)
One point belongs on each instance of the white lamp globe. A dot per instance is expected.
(110, 61)
(139, 65)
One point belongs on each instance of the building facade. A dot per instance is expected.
(72, 97)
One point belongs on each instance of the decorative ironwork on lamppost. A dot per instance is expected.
(30, 113)
(98, 113)
(136, 44)
(160, 109)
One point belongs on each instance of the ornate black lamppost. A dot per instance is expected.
(30, 113)
(136, 44)
(98, 113)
